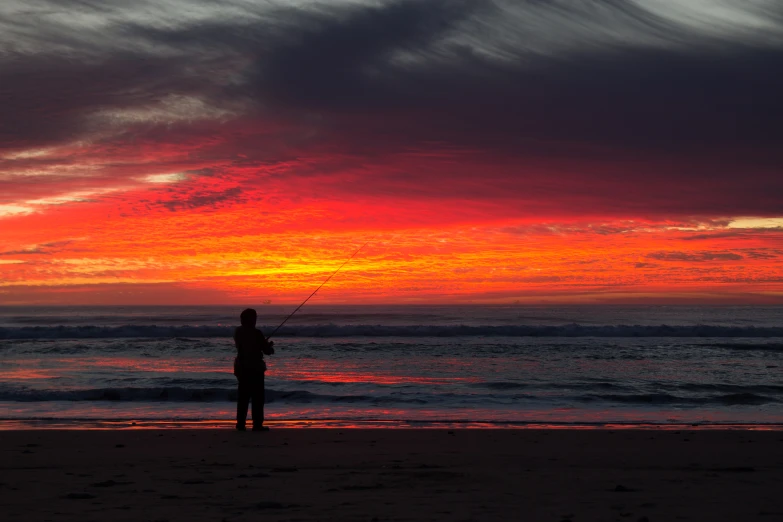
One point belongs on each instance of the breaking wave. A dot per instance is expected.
(732, 399)
(361, 330)
(182, 394)
(220, 394)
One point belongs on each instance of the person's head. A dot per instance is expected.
(248, 318)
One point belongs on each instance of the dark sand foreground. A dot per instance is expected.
(315, 474)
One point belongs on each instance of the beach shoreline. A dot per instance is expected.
(66, 424)
(392, 474)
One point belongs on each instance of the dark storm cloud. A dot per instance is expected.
(696, 91)
(605, 81)
(343, 63)
(44, 100)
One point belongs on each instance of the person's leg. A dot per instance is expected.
(258, 403)
(244, 391)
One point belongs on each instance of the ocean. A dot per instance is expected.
(482, 366)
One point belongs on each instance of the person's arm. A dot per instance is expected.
(266, 346)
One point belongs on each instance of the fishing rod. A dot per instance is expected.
(315, 291)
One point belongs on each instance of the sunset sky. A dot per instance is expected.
(194, 152)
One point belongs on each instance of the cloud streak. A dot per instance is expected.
(695, 256)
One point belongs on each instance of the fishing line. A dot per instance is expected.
(316, 291)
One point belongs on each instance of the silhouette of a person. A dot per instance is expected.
(249, 368)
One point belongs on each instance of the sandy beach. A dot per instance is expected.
(363, 474)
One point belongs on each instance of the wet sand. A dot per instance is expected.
(391, 474)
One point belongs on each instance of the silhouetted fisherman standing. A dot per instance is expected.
(249, 368)
(249, 365)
